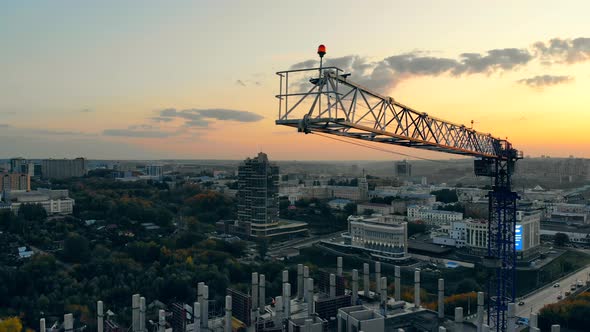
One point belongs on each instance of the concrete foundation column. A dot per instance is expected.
(377, 278)
(332, 285)
(339, 266)
(142, 314)
(205, 308)
(441, 329)
(228, 313)
(200, 290)
(262, 293)
(383, 291)
(479, 311)
(441, 298)
(398, 284)
(254, 290)
(511, 322)
(417, 288)
(161, 321)
(534, 329)
(300, 281)
(458, 319)
(307, 325)
(100, 317)
(42, 325)
(197, 316)
(366, 282)
(287, 300)
(135, 313)
(533, 321)
(305, 276)
(355, 286)
(309, 296)
(68, 322)
(555, 328)
(278, 307)
(485, 328)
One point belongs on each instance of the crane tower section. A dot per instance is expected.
(324, 100)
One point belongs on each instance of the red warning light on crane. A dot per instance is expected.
(321, 50)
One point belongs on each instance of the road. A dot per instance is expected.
(534, 302)
(302, 243)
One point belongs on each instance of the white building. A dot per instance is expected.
(433, 217)
(53, 201)
(382, 236)
(374, 208)
(154, 171)
(339, 203)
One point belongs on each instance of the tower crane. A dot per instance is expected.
(353, 111)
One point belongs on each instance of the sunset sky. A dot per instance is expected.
(196, 79)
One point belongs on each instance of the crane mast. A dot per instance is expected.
(324, 100)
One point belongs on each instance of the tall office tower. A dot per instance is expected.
(403, 169)
(258, 194)
(18, 165)
(63, 168)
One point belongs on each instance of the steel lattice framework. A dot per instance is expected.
(324, 100)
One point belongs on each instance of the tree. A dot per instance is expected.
(12, 324)
(76, 248)
(32, 212)
(416, 228)
(445, 195)
(560, 239)
(350, 209)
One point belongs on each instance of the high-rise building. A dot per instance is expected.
(155, 171)
(258, 194)
(403, 169)
(18, 165)
(15, 181)
(63, 168)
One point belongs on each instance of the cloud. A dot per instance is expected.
(544, 80)
(59, 132)
(5, 125)
(564, 50)
(392, 70)
(202, 117)
(136, 133)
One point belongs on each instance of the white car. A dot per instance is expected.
(556, 285)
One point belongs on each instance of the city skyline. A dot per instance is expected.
(196, 80)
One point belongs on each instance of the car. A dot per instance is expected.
(559, 297)
(521, 303)
(556, 285)
(567, 293)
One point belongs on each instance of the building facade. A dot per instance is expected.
(383, 236)
(432, 217)
(53, 201)
(15, 181)
(63, 168)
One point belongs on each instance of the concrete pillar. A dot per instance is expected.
(254, 290)
(511, 322)
(307, 325)
(441, 298)
(458, 319)
(479, 323)
(400, 330)
(68, 322)
(197, 316)
(161, 321)
(228, 313)
(285, 276)
(332, 285)
(262, 293)
(42, 325)
(339, 266)
(287, 300)
(205, 308)
(278, 307)
(485, 328)
(398, 284)
(366, 282)
(533, 321)
(100, 316)
(417, 288)
(377, 278)
(305, 276)
(534, 329)
(300, 281)
(135, 313)
(142, 314)
(441, 329)
(355, 286)
(200, 290)
(383, 291)
(309, 297)
(555, 328)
